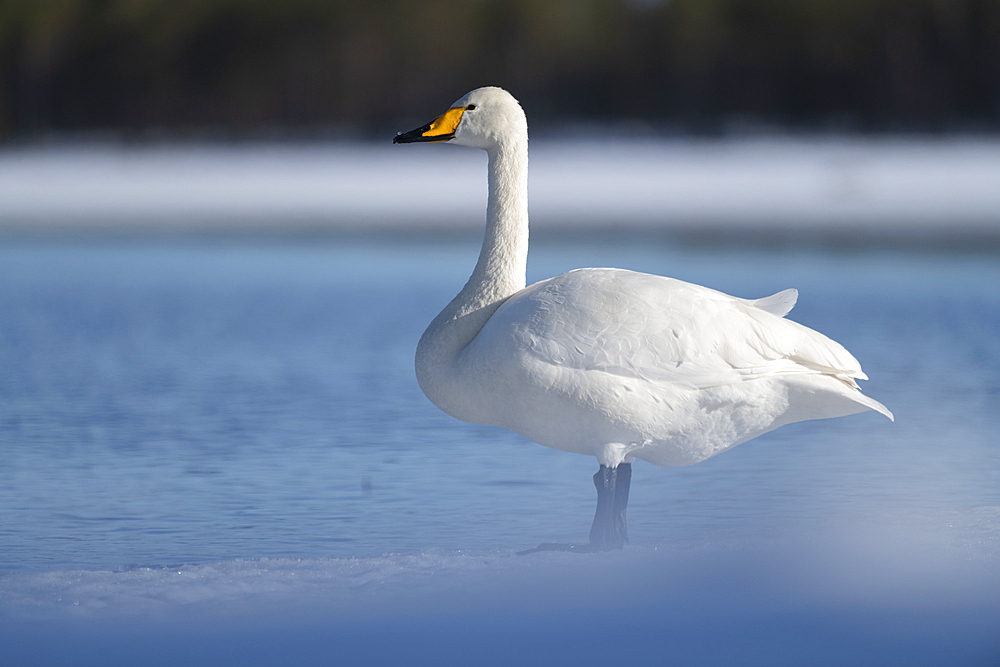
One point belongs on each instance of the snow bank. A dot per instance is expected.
(916, 185)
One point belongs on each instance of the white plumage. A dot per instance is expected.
(622, 365)
(606, 362)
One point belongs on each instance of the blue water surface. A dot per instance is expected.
(192, 402)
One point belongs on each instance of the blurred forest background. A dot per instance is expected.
(251, 67)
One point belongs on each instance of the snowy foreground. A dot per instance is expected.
(826, 184)
(887, 595)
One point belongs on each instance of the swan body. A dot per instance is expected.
(622, 365)
(612, 363)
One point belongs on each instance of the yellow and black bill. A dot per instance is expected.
(441, 128)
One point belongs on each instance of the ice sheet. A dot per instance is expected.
(904, 591)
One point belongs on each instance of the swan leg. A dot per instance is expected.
(610, 530)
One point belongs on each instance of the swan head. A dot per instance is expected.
(484, 118)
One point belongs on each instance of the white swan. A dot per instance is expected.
(612, 363)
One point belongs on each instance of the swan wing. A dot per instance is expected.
(662, 330)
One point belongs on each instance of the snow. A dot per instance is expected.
(893, 592)
(782, 183)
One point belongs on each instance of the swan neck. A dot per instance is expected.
(503, 259)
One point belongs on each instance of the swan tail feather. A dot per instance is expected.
(872, 404)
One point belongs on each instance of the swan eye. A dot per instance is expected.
(471, 107)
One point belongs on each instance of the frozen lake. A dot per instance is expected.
(213, 450)
(188, 404)
(216, 453)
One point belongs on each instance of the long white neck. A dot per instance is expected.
(499, 273)
(503, 259)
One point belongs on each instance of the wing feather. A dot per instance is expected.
(779, 304)
(664, 330)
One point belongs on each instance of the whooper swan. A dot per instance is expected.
(606, 362)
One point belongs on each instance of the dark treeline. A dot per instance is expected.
(245, 66)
